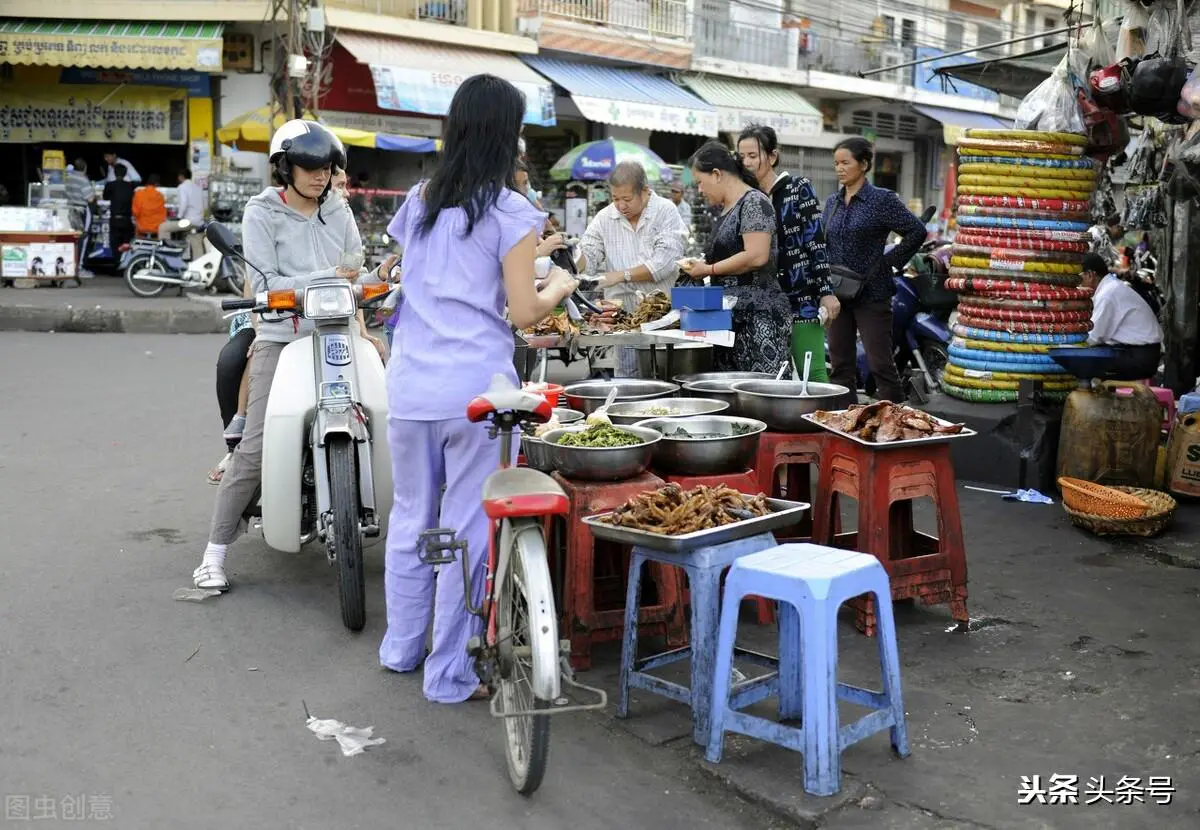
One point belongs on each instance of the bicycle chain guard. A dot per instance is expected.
(439, 546)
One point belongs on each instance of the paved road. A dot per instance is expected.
(104, 441)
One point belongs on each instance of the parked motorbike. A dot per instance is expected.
(326, 470)
(150, 265)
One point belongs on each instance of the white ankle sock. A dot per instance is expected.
(214, 554)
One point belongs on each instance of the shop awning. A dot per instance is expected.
(1014, 76)
(740, 103)
(420, 77)
(112, 45)
(630, 97)
(248, 132)
(963, 119)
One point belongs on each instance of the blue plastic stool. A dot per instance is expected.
(810, 582)
(704, 567)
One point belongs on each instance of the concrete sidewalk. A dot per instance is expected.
(1082, 660)
(105, 304)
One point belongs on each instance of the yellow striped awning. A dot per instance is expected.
(249, 132)
(131, 44)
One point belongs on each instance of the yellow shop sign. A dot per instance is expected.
(93, 113)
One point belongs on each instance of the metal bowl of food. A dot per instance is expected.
(634, 412)
(706, 445)
(731, 377)
(600, 463)
(588, 396)
(534, 449)
(682, 358)
(779, 404)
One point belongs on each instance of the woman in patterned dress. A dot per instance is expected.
(741, 258)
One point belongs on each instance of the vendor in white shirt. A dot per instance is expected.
(112, 160)
(1122, 320)
(190, 208)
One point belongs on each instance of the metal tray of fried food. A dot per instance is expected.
(903, 442)
(783, 514)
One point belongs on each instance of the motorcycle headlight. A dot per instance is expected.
(325, 302)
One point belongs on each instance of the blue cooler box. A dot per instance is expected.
(698, 298)
(691, 320)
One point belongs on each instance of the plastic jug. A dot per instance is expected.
(1110, 434)
(1183, 455)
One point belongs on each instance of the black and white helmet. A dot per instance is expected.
(306, 144)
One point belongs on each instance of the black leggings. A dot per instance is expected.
(231, 365)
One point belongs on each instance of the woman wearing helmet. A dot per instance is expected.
(294, 234)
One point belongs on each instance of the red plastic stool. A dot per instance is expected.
(744, 482)
(795, 452)
(884, 482)
(587, 562)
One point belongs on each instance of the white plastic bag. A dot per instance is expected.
(1052, 106)
(1131, 41)
(1095, 45)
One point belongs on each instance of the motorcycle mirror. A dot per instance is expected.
(224, 241)
(928, 214)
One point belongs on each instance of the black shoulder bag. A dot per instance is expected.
(847, 283)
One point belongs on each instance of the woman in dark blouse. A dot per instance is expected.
(858, 220)
(741, 258)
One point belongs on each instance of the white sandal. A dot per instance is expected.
(210, 576)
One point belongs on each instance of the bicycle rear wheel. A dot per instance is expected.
(529, 638)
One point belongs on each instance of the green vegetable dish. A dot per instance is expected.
(600, 436)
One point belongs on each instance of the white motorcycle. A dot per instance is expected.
(326, 470)
(150, 265)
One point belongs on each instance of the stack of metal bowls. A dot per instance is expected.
(632, 413)
(717, 385)
(601, 463)
(720, 451)
(779, 403)
(534, 449)
(589, 395)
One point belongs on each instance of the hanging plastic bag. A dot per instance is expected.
(1052, 106)
(1189, 98)
(1131, 40)
(1095, 45)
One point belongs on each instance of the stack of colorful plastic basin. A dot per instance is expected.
(1023, 218)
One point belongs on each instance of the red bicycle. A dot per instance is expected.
(520, 654)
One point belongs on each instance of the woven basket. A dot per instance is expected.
(1097, 500)
(1160, 514)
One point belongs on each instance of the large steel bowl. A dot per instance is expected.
(779, 404)
(721, 390)
(537, 454)
(601, 463)
(705, 456)
(634, 412)
(588, 396)
(567, 416)
(684, 358)
(731, 377)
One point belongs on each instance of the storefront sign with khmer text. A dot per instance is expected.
(89, 113)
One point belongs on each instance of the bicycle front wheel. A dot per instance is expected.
(528, 633)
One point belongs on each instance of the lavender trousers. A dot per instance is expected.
(426, 455)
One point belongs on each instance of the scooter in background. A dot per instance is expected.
(150, 265)
(921, 309)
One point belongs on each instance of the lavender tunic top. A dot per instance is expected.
(451, 337)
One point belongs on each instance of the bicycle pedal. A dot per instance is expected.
(439, 546)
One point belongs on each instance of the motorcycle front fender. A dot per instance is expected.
(926, 326)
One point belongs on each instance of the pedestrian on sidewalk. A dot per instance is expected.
(469, 240)
(118, 193)
(190, 209)
(803, 264)
(858, 220)
(81, 196)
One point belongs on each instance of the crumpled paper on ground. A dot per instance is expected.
(351, 739)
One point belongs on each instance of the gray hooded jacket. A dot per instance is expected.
(293, 250)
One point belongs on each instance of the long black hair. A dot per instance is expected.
(716, 156)
(768, 141)
(479, 150)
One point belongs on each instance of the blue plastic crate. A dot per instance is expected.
(691, 320)
(698, 298)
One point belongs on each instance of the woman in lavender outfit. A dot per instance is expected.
(469, 242)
